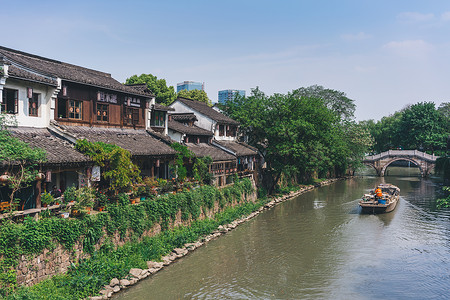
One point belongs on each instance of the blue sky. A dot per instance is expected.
(383, 54)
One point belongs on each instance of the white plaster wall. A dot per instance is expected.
(203, 121)
(175, 136)
(44, 111)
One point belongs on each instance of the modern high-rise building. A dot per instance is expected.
(226, 95)
(190, 85)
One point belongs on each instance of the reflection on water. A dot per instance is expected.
(319, 246)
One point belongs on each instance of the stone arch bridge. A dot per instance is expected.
(425, 162)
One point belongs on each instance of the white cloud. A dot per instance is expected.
(445, 16)
(415, 17)
(356, 37)
(411, 48)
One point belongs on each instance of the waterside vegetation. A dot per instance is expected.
(96, 234)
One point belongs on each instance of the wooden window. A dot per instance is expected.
(158, 118)
(102, 112)
(33, 105)
(132, 116)
(10, 104)
(75, 109)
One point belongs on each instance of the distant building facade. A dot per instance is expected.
(189, 86)
(226, 95)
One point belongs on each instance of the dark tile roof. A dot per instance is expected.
(241, 149)
(14, 71)
(141, 87)
(204, 109)
(203, 149)
(194, 130)
(158, 106)
(162, 137)
(184, 117)
(49, 67)
(58, 150)
(138, 142)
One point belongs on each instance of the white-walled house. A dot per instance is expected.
(27, 96)
(223, 128)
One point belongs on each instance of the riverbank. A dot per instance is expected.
(136, 275)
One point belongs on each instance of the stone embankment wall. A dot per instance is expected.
(33, 269)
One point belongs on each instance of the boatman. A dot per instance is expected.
(378, 193)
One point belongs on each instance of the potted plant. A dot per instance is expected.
(70, 194)
(46, 199)
(84, 200)
(102, 199)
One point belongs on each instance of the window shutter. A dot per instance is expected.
(16, 102)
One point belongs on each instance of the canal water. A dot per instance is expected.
(319, 246)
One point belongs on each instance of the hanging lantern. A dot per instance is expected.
(30, 93)
(4, 178)
(157, 163)
(48, 176)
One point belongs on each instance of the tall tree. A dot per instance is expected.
(298, 136)
(198, 95)
(337, 101)
(163, 94)
(422, 127)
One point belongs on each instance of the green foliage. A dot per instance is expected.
(298, 136)
(130, 221)
(119, 172)
(420, 126)
(163, 94)
(47, 199)
(444, 202)
(335, 100)
(184, 155)
(201, 169)
(70, 194)
(197, 95)
(88, 276)
(20, 159)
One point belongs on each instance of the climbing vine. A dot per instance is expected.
(130, 221)
(119, 172)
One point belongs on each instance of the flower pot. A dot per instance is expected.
(137, 200)
(101, 208)
(133, 201)
(44, 204)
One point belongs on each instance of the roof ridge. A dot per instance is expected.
(34, 56)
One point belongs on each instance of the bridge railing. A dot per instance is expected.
(416, 153)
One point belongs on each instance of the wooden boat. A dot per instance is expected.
(387, 203)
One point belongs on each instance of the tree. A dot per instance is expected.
(298, 136)
(163, 94)
(422, 127)
(21, 160)
(335, 100)
(198, 95)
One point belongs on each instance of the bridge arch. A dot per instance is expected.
(372, 165)
(416, 163)
(425, 162)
